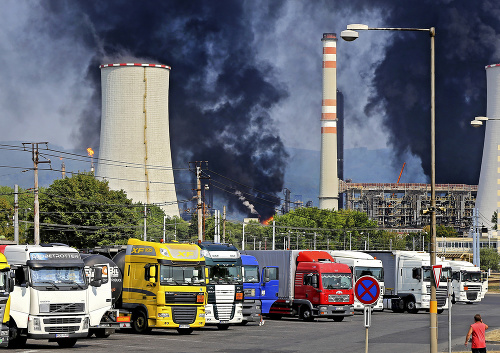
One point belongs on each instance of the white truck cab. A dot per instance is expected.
(362, 264)
(466, 281)
(51, 293)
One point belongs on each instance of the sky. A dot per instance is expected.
(245, 84)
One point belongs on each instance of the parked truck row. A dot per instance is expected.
(56, 293)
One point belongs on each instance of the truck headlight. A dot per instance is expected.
(86, 323)
(263, 292)
(36, 324)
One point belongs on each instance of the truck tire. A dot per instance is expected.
(399, 307)
(67, 342)
(338, 318)
(411, 306)
(140, 322)
(15, 340)
(222, 326)
(275, 316)
(306, 314)
(101, 333)
(440, 311)
(185, 331)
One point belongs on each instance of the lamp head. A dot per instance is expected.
(349, 35)
(476, 123)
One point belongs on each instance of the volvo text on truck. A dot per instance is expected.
(50, 299)
(225, 284)
(164, 285)
(260, 288)
(362, 264)
(407, 277)
(466, 282)
(312, 285)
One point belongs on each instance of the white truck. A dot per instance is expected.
(362, 264)
(407, 276)
(466, 282)
(484, 285)
(51, 296)
(225, 284)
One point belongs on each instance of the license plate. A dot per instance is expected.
(62, 335)
(183, 326)
(338, 308)
(224, 322)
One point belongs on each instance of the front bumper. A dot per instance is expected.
(55, 327)
(252, 310)
(333, 310)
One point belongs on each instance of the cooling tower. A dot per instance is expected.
(134, 153)
(488, 192)
(329, 183)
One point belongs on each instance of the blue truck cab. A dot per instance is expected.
(260, 288)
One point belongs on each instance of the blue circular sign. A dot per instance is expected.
(367, 290)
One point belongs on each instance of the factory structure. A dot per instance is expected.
(134, 153)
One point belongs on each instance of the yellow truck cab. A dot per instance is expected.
(164, 285)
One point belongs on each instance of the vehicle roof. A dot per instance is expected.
(351, 254)
(249, 260)
(217, 246)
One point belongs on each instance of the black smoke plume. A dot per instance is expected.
(219, 93)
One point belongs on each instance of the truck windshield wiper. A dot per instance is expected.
(49, 282)
(73, 282)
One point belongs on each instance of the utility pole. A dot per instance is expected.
(224, 224)
(200, 207)
(36, 213)
(16, 214)
(145, 215)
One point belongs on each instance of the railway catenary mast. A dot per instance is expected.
(329, 183)
(488, 193)
(134, 153)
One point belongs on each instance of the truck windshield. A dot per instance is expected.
(225, 275)
(377, 272)
(181, 275)
(471, 276)
(336, 280)
(57, 276)
(251, 274)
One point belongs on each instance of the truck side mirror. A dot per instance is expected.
(314, 280)
(97, 277)
(150, 273)
(417, 273)
(206, 275)
(10, 284)
(266, 275)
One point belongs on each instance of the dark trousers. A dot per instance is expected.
(478, 350)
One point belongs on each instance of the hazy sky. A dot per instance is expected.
(246, 77)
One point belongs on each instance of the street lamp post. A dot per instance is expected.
(351, 34)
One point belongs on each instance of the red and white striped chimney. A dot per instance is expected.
(329, 183)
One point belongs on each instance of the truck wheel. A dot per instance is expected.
(15, 340)
(185, 331)
(306, 314)
(140, 322)
(222, 326)
(411, 306)
(338, 318)
(101, 333)
(66, 343)
(275, 316)
(440, 311)
(399, 307)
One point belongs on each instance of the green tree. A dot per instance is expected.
(489, 259)
(83, 212)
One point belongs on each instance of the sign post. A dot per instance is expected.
(367, 291)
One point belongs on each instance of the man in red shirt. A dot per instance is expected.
(477, 331)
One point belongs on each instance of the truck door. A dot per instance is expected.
(311, 284)
(98, 297)
(269, 287)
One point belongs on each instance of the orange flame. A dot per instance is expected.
(90, 152)
(266, 222)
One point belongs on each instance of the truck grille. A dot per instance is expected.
(65, 308)
(472, 295)
(62, 329)
(334, 298)
(62, 320)
(184, 314)
(176, 298)
(224, 312)
(441, 295)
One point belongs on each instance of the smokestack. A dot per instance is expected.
(488, 192)
(134, 153)
(329, 183)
